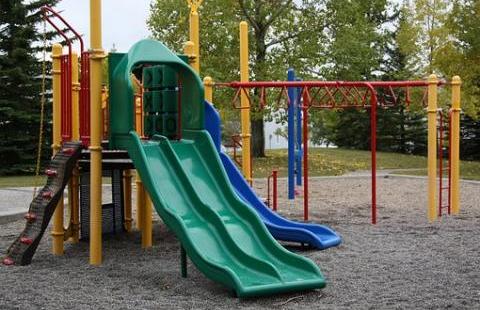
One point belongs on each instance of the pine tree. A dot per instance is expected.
(20, 84)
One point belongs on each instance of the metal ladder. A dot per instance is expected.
(444, 162)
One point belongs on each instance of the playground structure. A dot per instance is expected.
(167, 144)
(309, 95)
(171, 136)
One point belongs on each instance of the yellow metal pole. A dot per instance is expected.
(189, 50)
(245, 104)
(57, 230)
(455, 147)
(195, 32)
(432, 146)
(73, 194)
(127, 183)
(147, 223)
(140, 202)
(96, 60)
(208, 83)
(138, 116)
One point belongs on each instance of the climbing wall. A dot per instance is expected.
(44, 204)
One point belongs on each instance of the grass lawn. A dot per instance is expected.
(330, 162)
(29, 181)
(322, 162)
(21, 181)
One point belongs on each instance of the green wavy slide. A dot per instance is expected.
(224, 237)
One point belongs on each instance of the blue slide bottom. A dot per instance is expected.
(318, 236)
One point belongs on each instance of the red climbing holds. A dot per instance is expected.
(31, 217)
(51, 172)
(26, 240)
(68, 150)
(47, 195)
(7, 261)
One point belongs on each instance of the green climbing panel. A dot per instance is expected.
(160, 101)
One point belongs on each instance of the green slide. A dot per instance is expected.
(224, 237)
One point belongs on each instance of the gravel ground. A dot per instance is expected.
(401, 263)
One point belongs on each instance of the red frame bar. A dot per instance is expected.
(84, 98)
(306, 103)
(344, 91)
(66, 98)
(310, 84)
(274, 177)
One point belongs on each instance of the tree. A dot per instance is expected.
(462, 55)
(424, 34)
(283, 33)
(20, 84)
(354, 51)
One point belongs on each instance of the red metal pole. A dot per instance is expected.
(440, 162)
(69, 96)
(179, 109)
(449, 161)
(275, 185)
(62, 96)
(373, 147)
(268, 190)
(306, 102)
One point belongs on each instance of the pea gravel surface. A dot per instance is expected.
(403, 262)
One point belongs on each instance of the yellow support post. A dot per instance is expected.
(245, 104)
(140, 202)
(138, 116)
(57, 230)
(73, 195)
(127, 196)
(96, 126)
(147, 223)
(208, 83)
(455, 147)
(432, 146)
(195, 31)
(189, 51)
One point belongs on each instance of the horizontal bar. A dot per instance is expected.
(380, 84)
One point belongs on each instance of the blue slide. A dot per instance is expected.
(318, 236)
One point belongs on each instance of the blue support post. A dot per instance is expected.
(298, 133)
(291, 136)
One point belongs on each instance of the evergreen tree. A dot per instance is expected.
(469, 138)
(20, 84)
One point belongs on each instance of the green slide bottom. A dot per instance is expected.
(223, 237)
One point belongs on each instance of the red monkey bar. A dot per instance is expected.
(333, 95)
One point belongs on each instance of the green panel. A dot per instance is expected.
(224, 238)
(159, 77)
(152, 102)
(170, 101)
(160, 101)
(153, 125)
(169, 127)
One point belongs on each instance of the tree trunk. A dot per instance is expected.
(258, 138)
